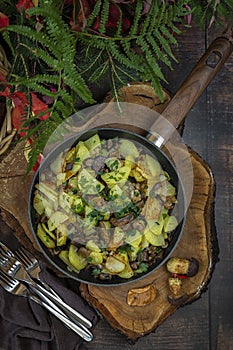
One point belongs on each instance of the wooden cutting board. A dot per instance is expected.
(198, 240)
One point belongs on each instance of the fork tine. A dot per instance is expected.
(9, 264)
(3, 258)
(22, 255)
(5, 250)
(6, 281)
(32, 266)
(4, 277)
(11, 285)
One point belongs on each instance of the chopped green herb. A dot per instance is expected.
(125, 248)
(114, 165)
(98, 187)
(89, 259)
(96, 272)
(132, 232)
(77, 209)
(143, 267)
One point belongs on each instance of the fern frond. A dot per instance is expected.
(168, 35)
(163, 42)
(41, 89)
(119, 24)
(150, 19)
(129, 52)
(46, 78)
(62, 109)
(158, 52)
(66, 97)
(123, 59)
(137, 16)
(34, 36)
(149, 58)
(51, 12)
(7, 39)
(155, 82)
(77, 85)
(55, 116)
(100, 71)
(95, 12)
(39, 53)
(104, 16)
(161, 15)
(53, 56)
(39, 144)
(174, 28)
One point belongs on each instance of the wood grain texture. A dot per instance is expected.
(14, 201)
(209, 131)
(194, 85)
(220, 156)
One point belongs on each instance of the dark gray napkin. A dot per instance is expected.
(26, 325)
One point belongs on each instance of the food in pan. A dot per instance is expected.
(106, 206)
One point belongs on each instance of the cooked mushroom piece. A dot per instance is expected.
(105, 276)
(178, 296)
(142, 296)
(69, 166)
(175, 286)
(122, 221)
(179, 266)
(98, 163)
(170, 201)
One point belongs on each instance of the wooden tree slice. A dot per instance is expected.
(140, 307)
(198, 241)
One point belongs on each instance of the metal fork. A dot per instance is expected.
(13, 286)
(30, 263)
(14, 268)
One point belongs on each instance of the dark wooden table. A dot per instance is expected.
(208, 322)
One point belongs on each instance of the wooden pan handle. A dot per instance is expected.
(192, 88)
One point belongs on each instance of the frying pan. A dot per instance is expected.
(175, 113)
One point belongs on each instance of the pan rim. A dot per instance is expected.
(73, 139)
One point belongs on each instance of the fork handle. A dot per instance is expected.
(84, 333)
(67, 309)
(46, 286)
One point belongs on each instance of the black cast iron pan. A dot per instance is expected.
(175, 113)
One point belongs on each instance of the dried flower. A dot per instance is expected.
(4, 20)
(39, 107)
